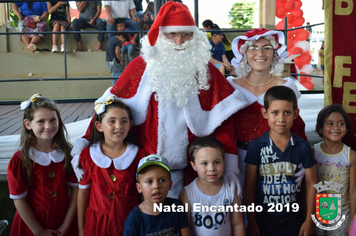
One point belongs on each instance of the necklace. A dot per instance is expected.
(259, 85)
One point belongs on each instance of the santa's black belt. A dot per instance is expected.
(242, 144)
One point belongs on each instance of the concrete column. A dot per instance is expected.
(267, 14)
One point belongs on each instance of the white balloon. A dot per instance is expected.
(308, 69)
(305, 45)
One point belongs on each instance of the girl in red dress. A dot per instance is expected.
(107, 192)
(39, 172)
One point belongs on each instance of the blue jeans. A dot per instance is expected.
(129, 23)
(128, 49)
(115, 70)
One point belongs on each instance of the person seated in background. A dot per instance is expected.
(218, 56)
(121, 11)
(32, 20)
(139, 8)
(148, 17)
(114, 57)
(89, 18)
(60, 21)
(209, 25)
(131, 44)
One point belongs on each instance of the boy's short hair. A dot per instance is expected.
(152, 160)
(125, 35)
(203, 142)
(280, 93)
(326, 112)
(119, 21)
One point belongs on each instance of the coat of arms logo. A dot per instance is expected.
(328, 206)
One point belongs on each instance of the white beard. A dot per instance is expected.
(177, 72)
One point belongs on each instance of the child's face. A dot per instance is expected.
(120, 27)
(209, 164)
(280, 115)
(334, 127)
(154, 183)
(44, 124)
(115, 125)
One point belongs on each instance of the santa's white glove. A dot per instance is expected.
(231, 172)
(232, 181)
(79, 145)
(299, 175)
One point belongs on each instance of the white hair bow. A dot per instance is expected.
(25, 104)
(100, 106)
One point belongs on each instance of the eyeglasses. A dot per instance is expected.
(267, 49)
(183, 35)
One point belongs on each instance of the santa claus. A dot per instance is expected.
(176, 95)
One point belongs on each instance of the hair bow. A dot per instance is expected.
(100, 106)
(25, 104)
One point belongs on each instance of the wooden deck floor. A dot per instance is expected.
(11, 115)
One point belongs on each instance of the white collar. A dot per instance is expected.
(43, 158)
(121, 163)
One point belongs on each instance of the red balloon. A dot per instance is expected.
(305, 58)
(297, 50)
(302, 79)
(279, 4)
(281, 12)
(290, 43)
(302, 35)
(290, 18)
(298, 4)
(290, 5)
(297, 13)
(298, 22)
(298, 63)
(281, 0)
(290, 34)
(280, 25)
(308, 84)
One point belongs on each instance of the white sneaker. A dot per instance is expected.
(62, 48)
(54, 48)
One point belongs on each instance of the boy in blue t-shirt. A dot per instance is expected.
(218, 54)
(157, 214)
(271, 162)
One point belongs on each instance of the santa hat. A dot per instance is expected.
(172, 17)
(255, 35)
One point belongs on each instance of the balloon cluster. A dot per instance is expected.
(297, 43)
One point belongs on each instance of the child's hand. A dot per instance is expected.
(48, 232)
(253, 229)
(307, 229)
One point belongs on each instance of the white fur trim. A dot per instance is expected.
(139, 102)
(172, 135)
(251, 98)
(202, 123)
(177, 185)
(86, 186)
(177, 28)
(18, 196)
(120, 163)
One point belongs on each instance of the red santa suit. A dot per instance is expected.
(112, 186)
(47, 195)
(168, 130)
